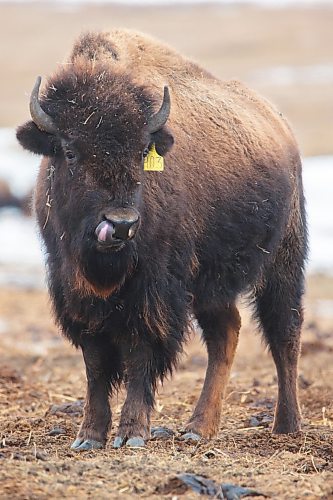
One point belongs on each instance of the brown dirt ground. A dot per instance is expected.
(231, 42)
(39, 369)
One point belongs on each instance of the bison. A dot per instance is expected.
(133, 255)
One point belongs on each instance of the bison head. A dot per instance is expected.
(95, 129)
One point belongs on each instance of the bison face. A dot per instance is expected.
(94, 188)
(98, 194)
(93, 174)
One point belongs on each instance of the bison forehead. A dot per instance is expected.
(86, 101)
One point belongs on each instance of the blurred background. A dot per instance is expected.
(284, 50)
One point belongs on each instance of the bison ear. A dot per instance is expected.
(36, 141)
(163, 140)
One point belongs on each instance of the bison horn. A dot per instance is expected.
(43, 121)
(159, 119)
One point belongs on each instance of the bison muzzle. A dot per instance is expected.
(133, 255)
(119, 225)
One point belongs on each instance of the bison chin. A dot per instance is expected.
(104, 272)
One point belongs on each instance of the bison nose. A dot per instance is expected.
(125, 222)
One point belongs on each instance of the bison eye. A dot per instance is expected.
(145, 152)
(70, 155)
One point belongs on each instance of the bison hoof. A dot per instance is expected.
(286, 430)
(133, 442)
(191, 437)
(81, 444)
(118, 442)
(161, 433)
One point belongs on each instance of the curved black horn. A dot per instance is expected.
(159, 119)
(43, 121)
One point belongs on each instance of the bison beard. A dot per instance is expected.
(132, 255)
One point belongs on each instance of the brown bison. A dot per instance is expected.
(133, 254)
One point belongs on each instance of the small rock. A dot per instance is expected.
(161, 433)
(41, 456)
(254, 422)
(303, 383)
(56, 431)
(74, 409)
(262, 419)
(201, 485)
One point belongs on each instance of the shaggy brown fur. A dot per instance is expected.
(225, 217)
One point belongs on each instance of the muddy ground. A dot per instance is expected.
(39, 369)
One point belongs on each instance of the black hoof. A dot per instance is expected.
(118, 442)
(81, 444)
(161, 433)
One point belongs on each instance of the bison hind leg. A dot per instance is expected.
(279, 311)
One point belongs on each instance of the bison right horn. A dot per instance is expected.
(43, 121)
(159, 119)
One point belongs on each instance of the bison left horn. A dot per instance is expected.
(43, 121)
(159, 119)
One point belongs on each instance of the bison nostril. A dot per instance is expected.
(124, 230)
(132, 231)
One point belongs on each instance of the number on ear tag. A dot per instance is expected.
(153, 161)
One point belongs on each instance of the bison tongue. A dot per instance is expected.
(104, 231)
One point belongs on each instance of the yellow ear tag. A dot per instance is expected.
(153, 161)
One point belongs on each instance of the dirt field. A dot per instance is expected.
(39, 369)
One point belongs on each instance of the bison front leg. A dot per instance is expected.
(220, 332)
(102, 369)
(134, 425)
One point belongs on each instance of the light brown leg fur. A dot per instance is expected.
(220, 332)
